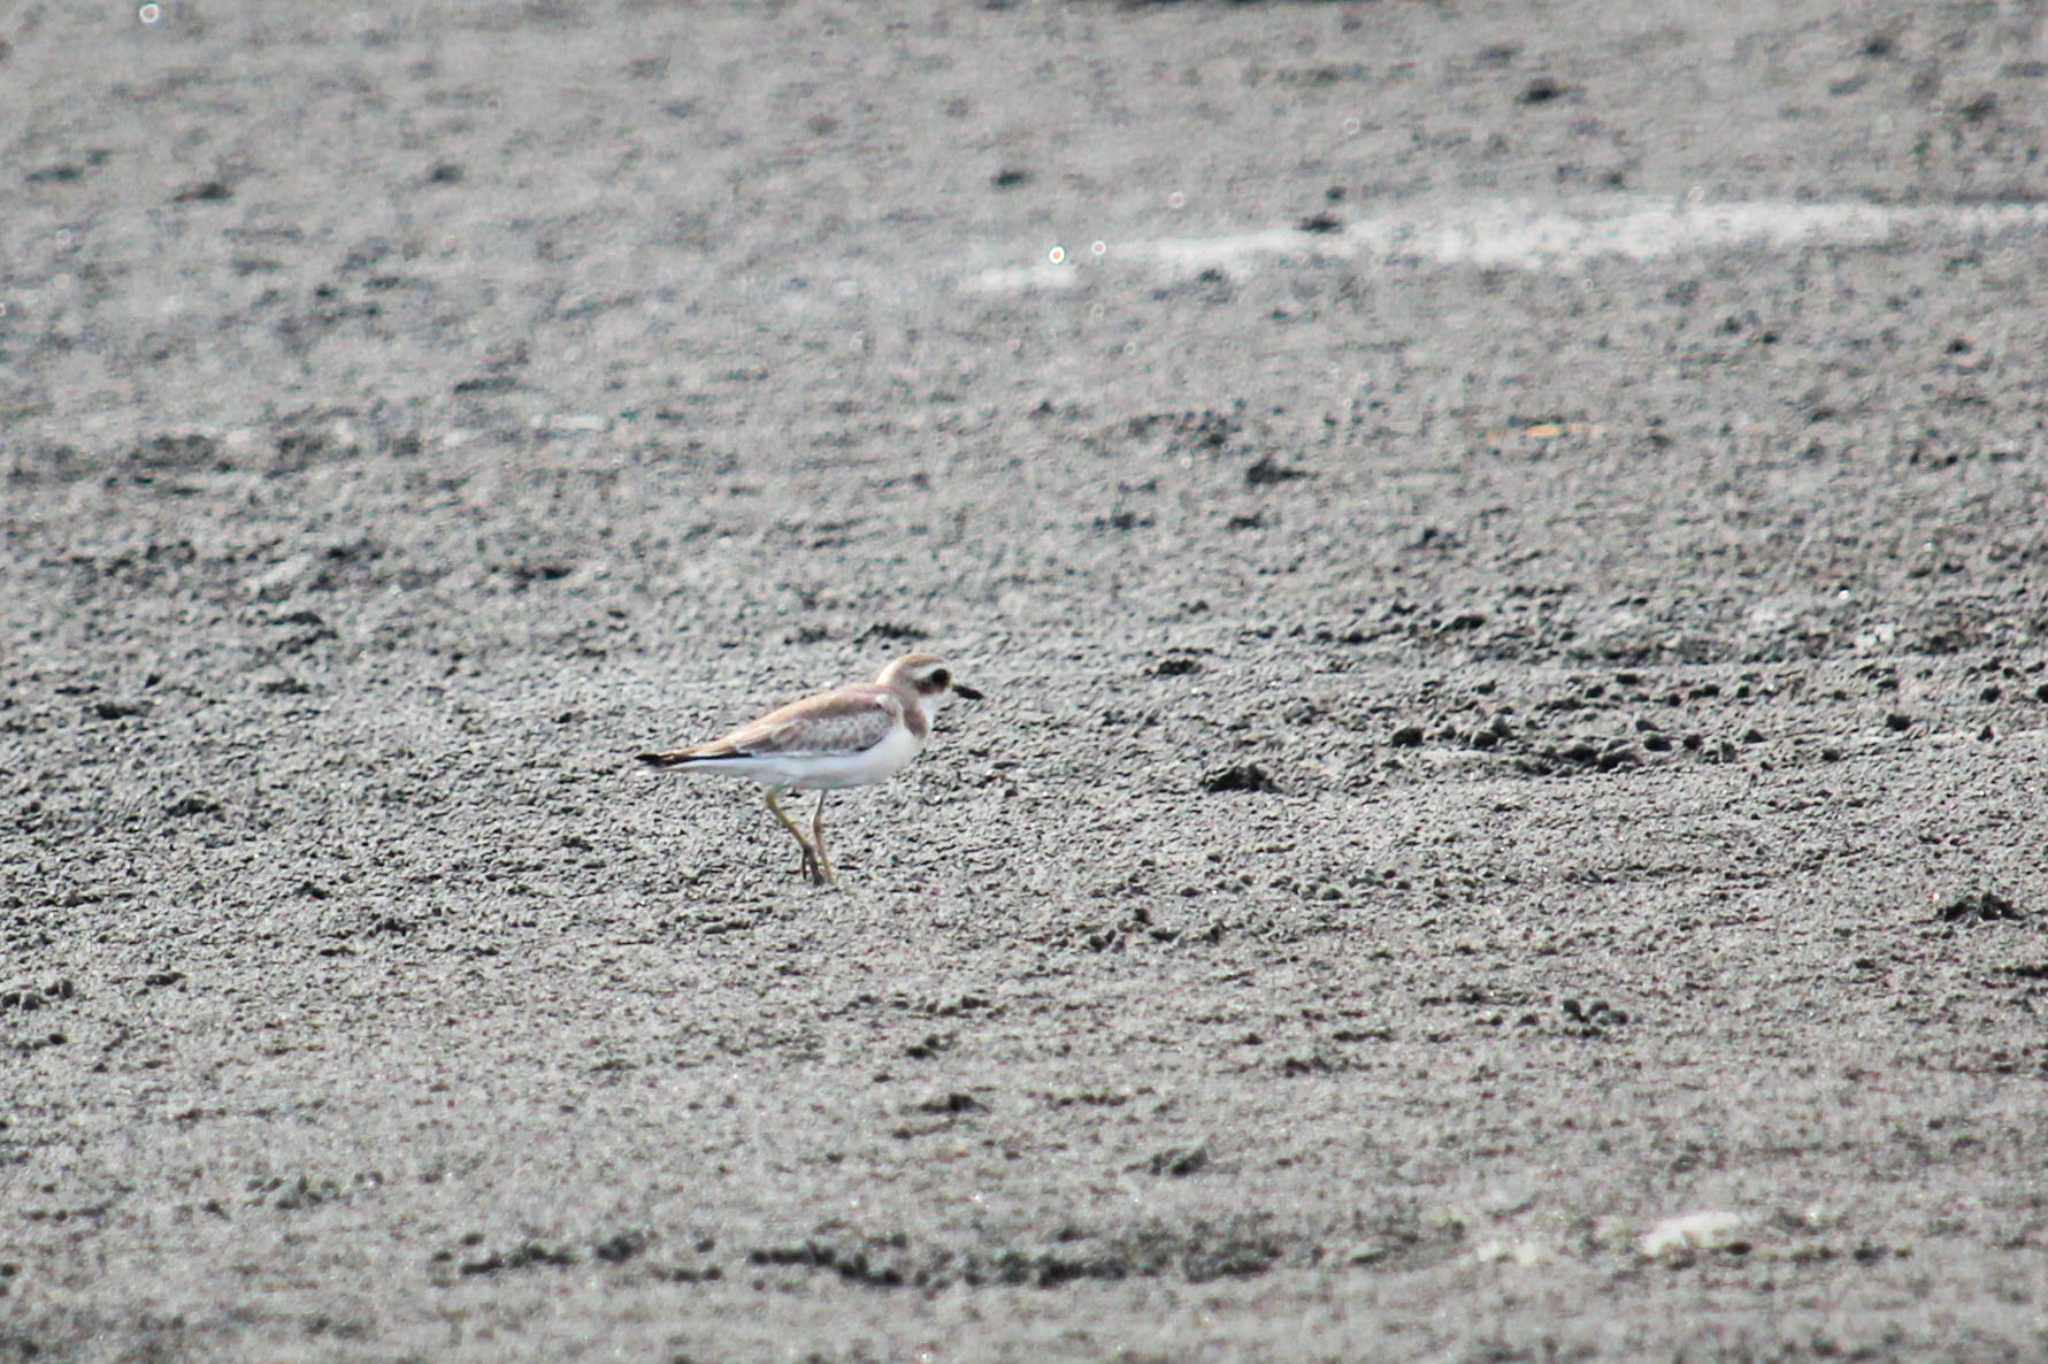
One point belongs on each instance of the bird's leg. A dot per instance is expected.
(818, 840)
(810, 863)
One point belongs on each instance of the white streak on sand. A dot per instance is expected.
(1518, 234)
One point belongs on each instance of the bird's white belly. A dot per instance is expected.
(829, 772)
(822, 771)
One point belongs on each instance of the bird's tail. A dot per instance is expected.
(685, 757)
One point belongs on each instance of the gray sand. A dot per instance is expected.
(1511, 591)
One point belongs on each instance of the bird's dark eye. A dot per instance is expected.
(942, 678)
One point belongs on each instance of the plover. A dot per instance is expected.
(856, 735)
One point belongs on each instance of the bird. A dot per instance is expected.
(855, 735)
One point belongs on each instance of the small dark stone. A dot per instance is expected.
(1267, 471)
(1407, 736)
(205, 192)
(1989, 694)
(1983, 907)
(1177, 1163)
(524, 1257)
(1319, 223)
(953, 1103)
(1898, 722)
(1658, 743)
(616, 1250)
(890, 631)
(1542, 90)
(1010, 178)
(1243, 777)
(1979, 109)
(1625, 756)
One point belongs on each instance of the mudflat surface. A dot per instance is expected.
(1507, 560)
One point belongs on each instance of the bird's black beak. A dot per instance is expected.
(967, 693)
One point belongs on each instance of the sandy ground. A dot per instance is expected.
(1507, 559)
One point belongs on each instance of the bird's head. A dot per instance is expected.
(929, 678)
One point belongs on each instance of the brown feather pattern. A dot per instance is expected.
(845, 721)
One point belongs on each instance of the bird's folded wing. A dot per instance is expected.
(838, 722)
